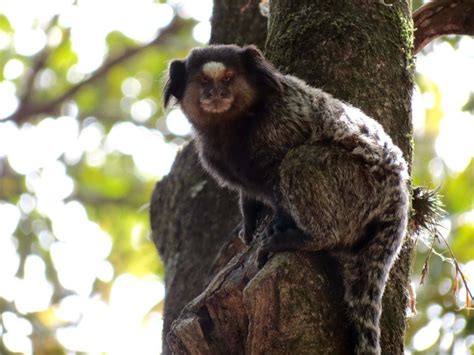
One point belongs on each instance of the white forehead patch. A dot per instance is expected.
(214, 70)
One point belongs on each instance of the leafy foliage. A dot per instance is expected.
(76, 198)
(76, 179)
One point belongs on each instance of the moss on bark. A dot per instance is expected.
(360, 51)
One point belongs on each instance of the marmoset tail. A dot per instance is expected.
(332, 176)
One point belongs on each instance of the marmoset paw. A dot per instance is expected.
(278, 225)
(289, 239)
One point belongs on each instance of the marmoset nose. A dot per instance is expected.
(218, 93)
(223, 94)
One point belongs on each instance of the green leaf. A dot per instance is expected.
(118, 42)
(62, 58)
(469, 106)
(463, 242)
(458, 191)
(88, 98)
(5, 24)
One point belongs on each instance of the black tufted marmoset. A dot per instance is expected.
(332, 176)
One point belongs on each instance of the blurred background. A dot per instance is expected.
(78, 272)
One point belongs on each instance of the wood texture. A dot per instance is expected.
(191, 217)
(362, 53)
(443, 17)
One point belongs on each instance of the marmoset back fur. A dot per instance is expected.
(332, 176)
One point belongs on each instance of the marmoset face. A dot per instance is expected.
(215, 85)
(221, 83)
(216, 91)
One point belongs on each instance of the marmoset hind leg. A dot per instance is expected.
(340, 206)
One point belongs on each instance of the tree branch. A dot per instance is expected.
(293, 304)
(29, 109)
(39, 62)
(442, 17)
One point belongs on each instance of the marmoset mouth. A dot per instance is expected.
(216, 105)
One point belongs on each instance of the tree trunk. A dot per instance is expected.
(190, 215)
(360, 51)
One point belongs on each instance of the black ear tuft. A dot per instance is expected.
(267, 75)
(176, 81)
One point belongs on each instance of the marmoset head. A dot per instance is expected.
(220, 82)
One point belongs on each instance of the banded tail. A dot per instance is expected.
(365, 273)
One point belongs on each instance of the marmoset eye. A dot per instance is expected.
(332, 176)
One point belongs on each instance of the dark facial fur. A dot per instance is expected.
(219, 83)
(331, 174)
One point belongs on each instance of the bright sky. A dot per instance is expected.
(109, 325)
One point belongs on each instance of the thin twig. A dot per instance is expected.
(426, 267)
(39, 62)
(458, 268)
(452, 260)
(32, 108)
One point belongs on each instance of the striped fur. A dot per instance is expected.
(214, 70)
(331, 174)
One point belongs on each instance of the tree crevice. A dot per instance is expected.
(294, 303)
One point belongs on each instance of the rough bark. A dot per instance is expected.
(360, 51)
(238, 21)
(190, 215)
(190, 222)
(443, 17)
